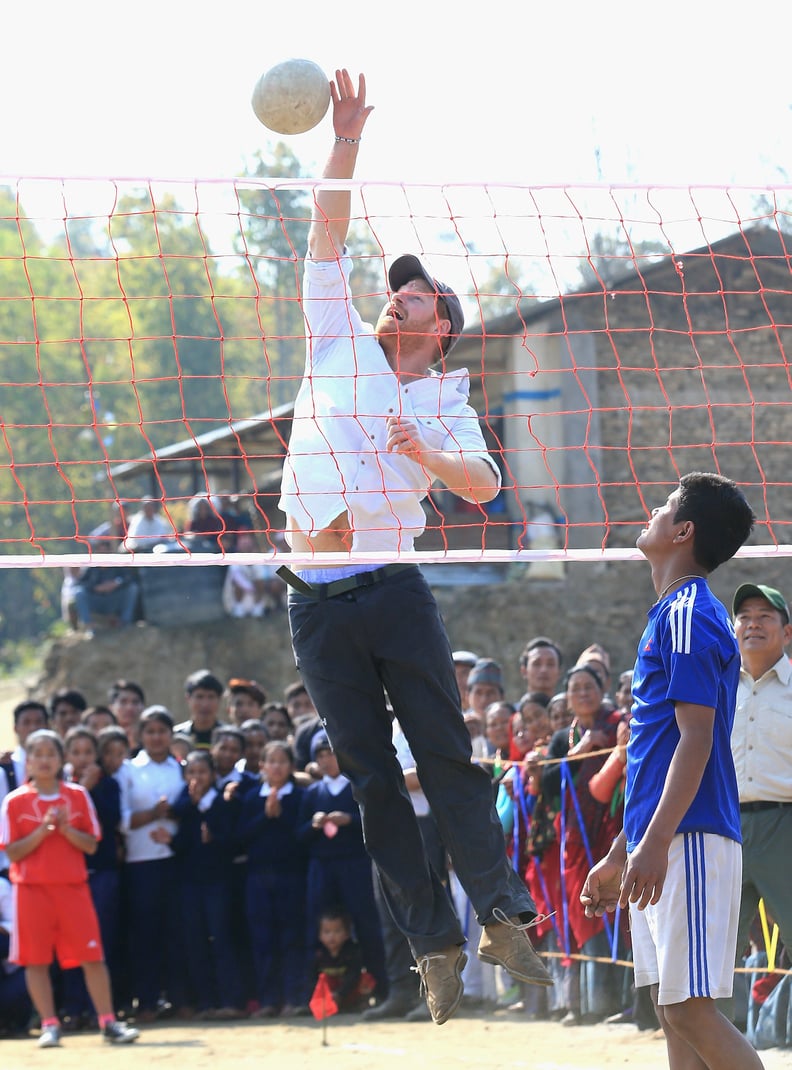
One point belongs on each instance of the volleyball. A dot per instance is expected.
(292, 97)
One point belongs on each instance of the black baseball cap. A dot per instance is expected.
(407, 267)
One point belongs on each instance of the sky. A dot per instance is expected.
(507, 93)
(671, 93)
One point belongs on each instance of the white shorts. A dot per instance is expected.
(686, 942)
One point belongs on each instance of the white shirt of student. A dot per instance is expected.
(146, 782)
(761, 739)
(337, 460)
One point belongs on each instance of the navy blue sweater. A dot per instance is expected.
(106, 797)
(199, 862)
(271, 842)
(348, 843)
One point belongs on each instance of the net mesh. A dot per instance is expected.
(152, 343)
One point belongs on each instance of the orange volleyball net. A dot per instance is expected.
(152, 343)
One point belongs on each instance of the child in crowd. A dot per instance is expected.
(339, 869)
(244, 701)
(227, 750)
(256, 738)
(15, 1006)
(127, 700)
(66, 708)
(82, 768)
(47, 828)
(233, 780)
(97, 717)
(181, 746)
(153, 783)
(339, 958)
(275, 886)
(204, 846)
(276, 721)
(29, 716)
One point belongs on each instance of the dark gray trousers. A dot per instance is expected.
(389, 638)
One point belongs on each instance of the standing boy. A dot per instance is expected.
(677, 862)
(374, 426)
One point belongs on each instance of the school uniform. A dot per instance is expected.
(275, 895)
(104, 881)
(339, 871)
(151, 902)
(204, 881)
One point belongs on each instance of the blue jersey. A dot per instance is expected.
(688, 653)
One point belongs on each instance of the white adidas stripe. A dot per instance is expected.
(680, 619)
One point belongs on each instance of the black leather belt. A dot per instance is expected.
(755, 807)
(320, 591)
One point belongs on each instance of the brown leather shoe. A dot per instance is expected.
(441, 981)
(506, 943)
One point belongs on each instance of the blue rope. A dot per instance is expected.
(566, 779)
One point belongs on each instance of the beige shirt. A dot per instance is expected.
(762, 735)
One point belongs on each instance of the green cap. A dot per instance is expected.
(759, 590)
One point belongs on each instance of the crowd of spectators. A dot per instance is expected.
(108, 596)
(232, 868)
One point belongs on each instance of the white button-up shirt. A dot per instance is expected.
(338, 461)
(761, 738)
(145, 783)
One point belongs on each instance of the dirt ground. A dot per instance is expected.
(495, 1041)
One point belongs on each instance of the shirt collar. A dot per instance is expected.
(285, 790)
(782, 669)
(335, 784)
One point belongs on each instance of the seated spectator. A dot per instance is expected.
(236, 519)
(71, 578)
(107, 594)
(251, 590)
(148, 528)
(204, 527)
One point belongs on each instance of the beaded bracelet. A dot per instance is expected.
(348, 140)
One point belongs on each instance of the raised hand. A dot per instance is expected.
(350, 110)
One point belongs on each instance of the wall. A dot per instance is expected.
(606, 603)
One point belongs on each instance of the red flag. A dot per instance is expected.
(322, 1003)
